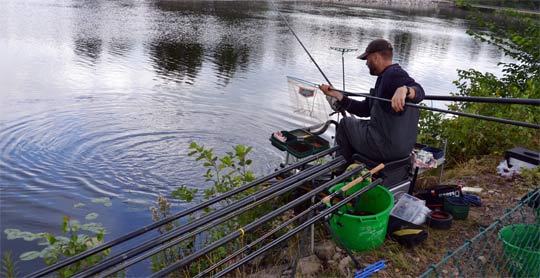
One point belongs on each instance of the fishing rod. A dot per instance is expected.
(222, 220)
(487, 118)
(481, 117)
(299, 228)
(300, 177)
(305, 49)
(522, 101)
(298, 39)
(247, 228)
(291, 220)
(180, 214)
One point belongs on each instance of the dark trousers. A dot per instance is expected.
(351, 138)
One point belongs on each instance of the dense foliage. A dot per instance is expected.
(517, 35)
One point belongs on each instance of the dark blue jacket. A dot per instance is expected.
(388, 135)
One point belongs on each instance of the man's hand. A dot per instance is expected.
(329, 91)
(400, 95)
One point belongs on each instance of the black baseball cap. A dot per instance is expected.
(376, 46)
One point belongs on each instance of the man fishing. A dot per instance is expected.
(391, 131)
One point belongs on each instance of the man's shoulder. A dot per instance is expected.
(395, 69)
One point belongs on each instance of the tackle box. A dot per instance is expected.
(437, 153)
(522, 157)
(300, 143)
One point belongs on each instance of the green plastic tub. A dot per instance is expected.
(457, 206)
(363, 226)
(522, 249)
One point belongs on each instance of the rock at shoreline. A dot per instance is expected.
(345, 266)
(325, 250)
(309, 266)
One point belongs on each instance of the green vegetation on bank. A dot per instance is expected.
(75, 238)
(224, 173)
(533, 5)
(517, 35)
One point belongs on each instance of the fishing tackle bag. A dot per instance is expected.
(405, 233)
(434, 195)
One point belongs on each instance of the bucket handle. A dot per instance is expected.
(339, 215)
(367, 219)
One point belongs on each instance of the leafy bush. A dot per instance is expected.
(517, 36)
(224, 174)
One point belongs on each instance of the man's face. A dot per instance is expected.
(371, 63)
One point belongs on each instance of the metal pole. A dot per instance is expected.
(343, 68)
(343, 50)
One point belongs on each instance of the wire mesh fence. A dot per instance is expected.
(509, 247)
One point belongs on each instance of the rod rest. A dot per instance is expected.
(394, 172)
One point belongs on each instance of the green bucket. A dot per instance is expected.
(363, 232)
(522, 249)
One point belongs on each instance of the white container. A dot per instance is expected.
(408, 208)
(421, 217)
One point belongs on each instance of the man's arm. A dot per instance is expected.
(355, 107)
(413, 93)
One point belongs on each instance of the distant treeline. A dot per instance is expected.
(514, 4)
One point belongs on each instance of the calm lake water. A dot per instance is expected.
(102, 98)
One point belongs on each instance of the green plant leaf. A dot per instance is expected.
(51, 239)
(91, 216)
(92, 227)
(106, 201)
(28, 256)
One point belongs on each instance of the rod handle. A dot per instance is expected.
(355, 181)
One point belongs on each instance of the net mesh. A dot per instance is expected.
(509, 247)
(310, 102)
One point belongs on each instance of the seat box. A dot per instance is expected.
(399, 189)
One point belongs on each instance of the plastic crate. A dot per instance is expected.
(408, 208)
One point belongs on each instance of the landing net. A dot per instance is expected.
(309, 101)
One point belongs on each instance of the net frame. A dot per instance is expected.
(309, 101)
